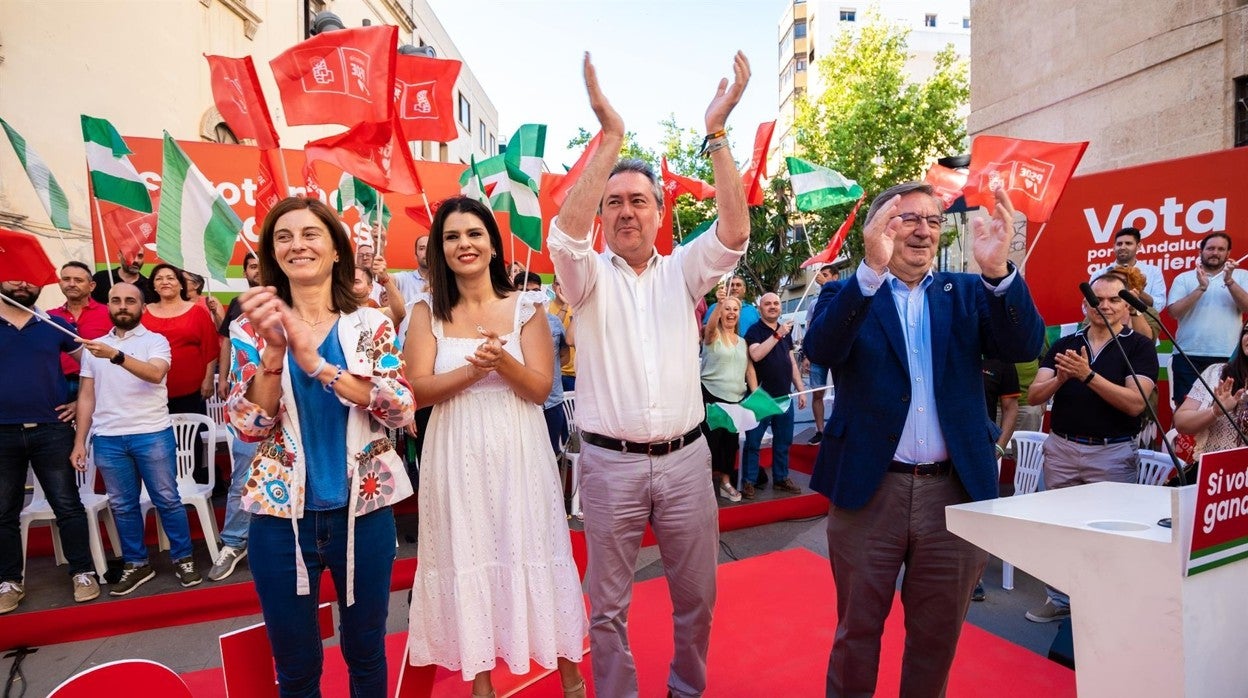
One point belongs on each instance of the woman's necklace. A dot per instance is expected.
(317, 323)
(473, 320)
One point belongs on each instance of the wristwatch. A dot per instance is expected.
(119, 359)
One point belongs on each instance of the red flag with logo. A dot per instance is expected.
(340, 77)
(423, 97)
(372, 152)
(1033, 173)
(131, 230)
(271, 185)
(685, 185)
(833, 249)
(947, 182)
(560, 192)
(237, 95)
(310, 180)
(22, 259)
(754, 174)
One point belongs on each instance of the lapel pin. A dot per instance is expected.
(948, 287)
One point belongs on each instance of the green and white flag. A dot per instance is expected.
(504, 186)
(113, 178)
(195, 228)
(357, 194)
(526, 148)
(818, 187)
(483, 177)
(50, 193)
(697, 230)
(747, 414)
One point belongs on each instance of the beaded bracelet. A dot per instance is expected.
(329, 387)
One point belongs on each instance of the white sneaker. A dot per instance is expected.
(727, 491)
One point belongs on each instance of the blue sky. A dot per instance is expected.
(654, 58)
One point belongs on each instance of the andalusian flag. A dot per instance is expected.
(818, 187)
(50, 193)
(482, 178)
(745, 415)
(113, 178)
(195, 228)
(357, 194)
(697, 230)
(526, 148)
(506, 187)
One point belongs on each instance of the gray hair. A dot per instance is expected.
(904, 188)
(644, 169)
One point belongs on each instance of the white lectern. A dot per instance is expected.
(1141, 627)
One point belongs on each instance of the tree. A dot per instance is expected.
(872, 125)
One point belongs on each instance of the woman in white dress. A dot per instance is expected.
(495, 575)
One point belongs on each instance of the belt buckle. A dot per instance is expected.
(659, 449)
(931, 469)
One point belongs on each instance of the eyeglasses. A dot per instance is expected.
(912, 220)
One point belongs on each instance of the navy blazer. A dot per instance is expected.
(859, 339)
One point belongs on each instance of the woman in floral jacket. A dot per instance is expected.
(318, 380)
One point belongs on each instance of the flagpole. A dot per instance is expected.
(38, 315)
(379, 241)
(428, 211)
(243, 239)
(108, 262)
(515, 320)
(680, 235)
(1033, 243)
(64, 245)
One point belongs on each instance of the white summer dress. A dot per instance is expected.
(494, 576)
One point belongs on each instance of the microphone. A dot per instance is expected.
(1090, 298)
(1134, 301)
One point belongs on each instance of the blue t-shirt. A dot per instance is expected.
(775, 371)
(323, 431)
(30, 371)
(560, 339)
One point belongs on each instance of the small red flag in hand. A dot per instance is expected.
(341, 77)
(754, 174)
(22, 259)
(237, 95)
(1033, 173)
(685, 185)
(835, 244)
(423, 102)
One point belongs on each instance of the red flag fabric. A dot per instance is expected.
(686, 185)
(835, 244)
(271, 186)
(1034, 173)
(372, 152)
(130, 230)
(423, 97)
(947, 182)
(340, 77)
(310, 181)
(565, 185)
(754, 174)
(236, 93)
(420, 216)
(22, 259)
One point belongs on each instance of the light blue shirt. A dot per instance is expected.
(922, 440)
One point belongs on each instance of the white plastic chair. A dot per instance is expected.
(573, 459)
(192, 493)
(1155, 467)
(216, 412)
(94, 503)
(1028, 478)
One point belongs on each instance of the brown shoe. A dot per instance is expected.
(747, 491)
(787, 485)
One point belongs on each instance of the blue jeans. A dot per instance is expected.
(46, 447)
(290, 619)
(123, 461)
(234, 533)
(781, 438)
(556, 426)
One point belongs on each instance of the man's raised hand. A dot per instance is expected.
(991, 243)
(727, 95)
(879, 236)
(608, 117)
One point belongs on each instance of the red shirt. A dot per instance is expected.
(92, 323)
(193, 344)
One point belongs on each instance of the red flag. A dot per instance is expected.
(565, 185)
(311, 183)
(423, 102)
(271, 186)
(22, 259)
(947, 182)
(340, 77)
(833, 249)
(1034, 173)
(420, 216)
(237, 95)
(754, 174)
(685, 185)
(373, 153)
(131, 230)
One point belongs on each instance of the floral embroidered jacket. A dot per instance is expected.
(377, 475)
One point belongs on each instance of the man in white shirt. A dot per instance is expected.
(123, 406)
(1209, 302)
(638, 397)
(415, 283)
(1126, 246)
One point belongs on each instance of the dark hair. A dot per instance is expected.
(900, 189)
(176, 272)
(367, 272)
(1112, 275)
(247, 258)
(644, 169)
(1133, 232)
(342, 278)
(831, 268)
(1211, 236)
(525, 278)
(1236, 367)
(77, 265)
(443, 291)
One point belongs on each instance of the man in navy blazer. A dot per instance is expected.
(909, 432)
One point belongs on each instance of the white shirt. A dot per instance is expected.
(411, 285)
(124, 403)
(1154, 281)
(637, 368)
(1211, 326)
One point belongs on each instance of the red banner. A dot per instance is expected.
(341, 77)
(1220, 526)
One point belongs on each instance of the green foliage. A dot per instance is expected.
(631, 149)
(872, 125)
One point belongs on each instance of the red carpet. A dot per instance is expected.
(772, 632)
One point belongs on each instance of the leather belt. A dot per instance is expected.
(658, 448)
(936, 469)
(1095, 440)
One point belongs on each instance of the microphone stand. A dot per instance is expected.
(1090, 298)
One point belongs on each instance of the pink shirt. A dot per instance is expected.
(92, 323)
